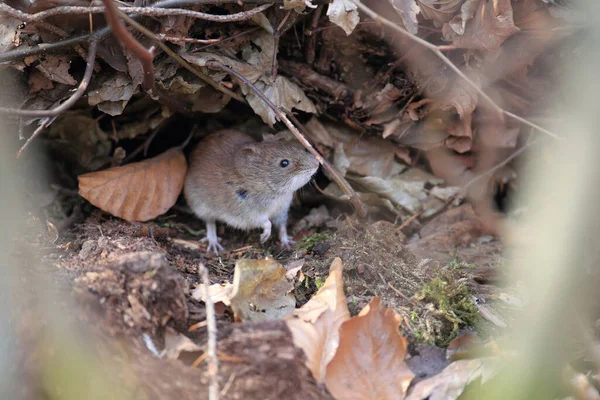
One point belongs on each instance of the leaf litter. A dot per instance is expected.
(388, 113)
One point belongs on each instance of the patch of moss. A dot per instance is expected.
(448, 305)
(319, 282)
(311, 241)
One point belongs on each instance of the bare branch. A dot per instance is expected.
(437, 51)
(146, 56)
(23, 52)
(345, 186)
(213, 360)
(182, 62)
(87, 76)
(501, 164)
(145, 11)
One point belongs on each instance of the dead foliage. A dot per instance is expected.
(411, 106)
(137, 191)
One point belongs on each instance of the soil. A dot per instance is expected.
(132, 283)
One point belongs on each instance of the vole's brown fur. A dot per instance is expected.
(236, 180)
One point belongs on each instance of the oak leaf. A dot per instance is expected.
(138, 191)
(369, 362)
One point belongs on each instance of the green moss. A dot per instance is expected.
(447, 305)
(311, 241)
(319, 282)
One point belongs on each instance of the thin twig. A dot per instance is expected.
(247, 32)
(501, 164)
(87, 76)
(281, 115)
(311, 43)
(399, 293)
(410, 219)
(145, 11)
(276, 38)
(18, 14)
(146, 56)
(43, 125)
(213, 360)
(436, 50)
(182, 62)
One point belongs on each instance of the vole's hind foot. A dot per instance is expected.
(212, 238)
(284, 239)
(213, 245)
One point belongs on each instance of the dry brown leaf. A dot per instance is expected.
(315, 326)
(459, 22)
(218, 292)
(408, 11)
(368, 156)
(283, 93)
(175, 343)
(439, 11)
(344, 13)
(38, 81)
(491, 24)
(408, 195)
(83, 142)
(261, 20)
(56, 68)
(9, 28)
(261, 290)
(137, 191)
(113, 95)
(369, 362)
(450, 383)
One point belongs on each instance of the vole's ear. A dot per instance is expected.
(245, 157)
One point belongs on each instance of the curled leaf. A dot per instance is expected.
(315, 326)
(369, 362)
(137, 191)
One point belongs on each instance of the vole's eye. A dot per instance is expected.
(284, 163)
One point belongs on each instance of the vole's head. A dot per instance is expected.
(282, 166)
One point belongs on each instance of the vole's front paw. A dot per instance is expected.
(213, 244)
(266, 231)
(265, 236)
